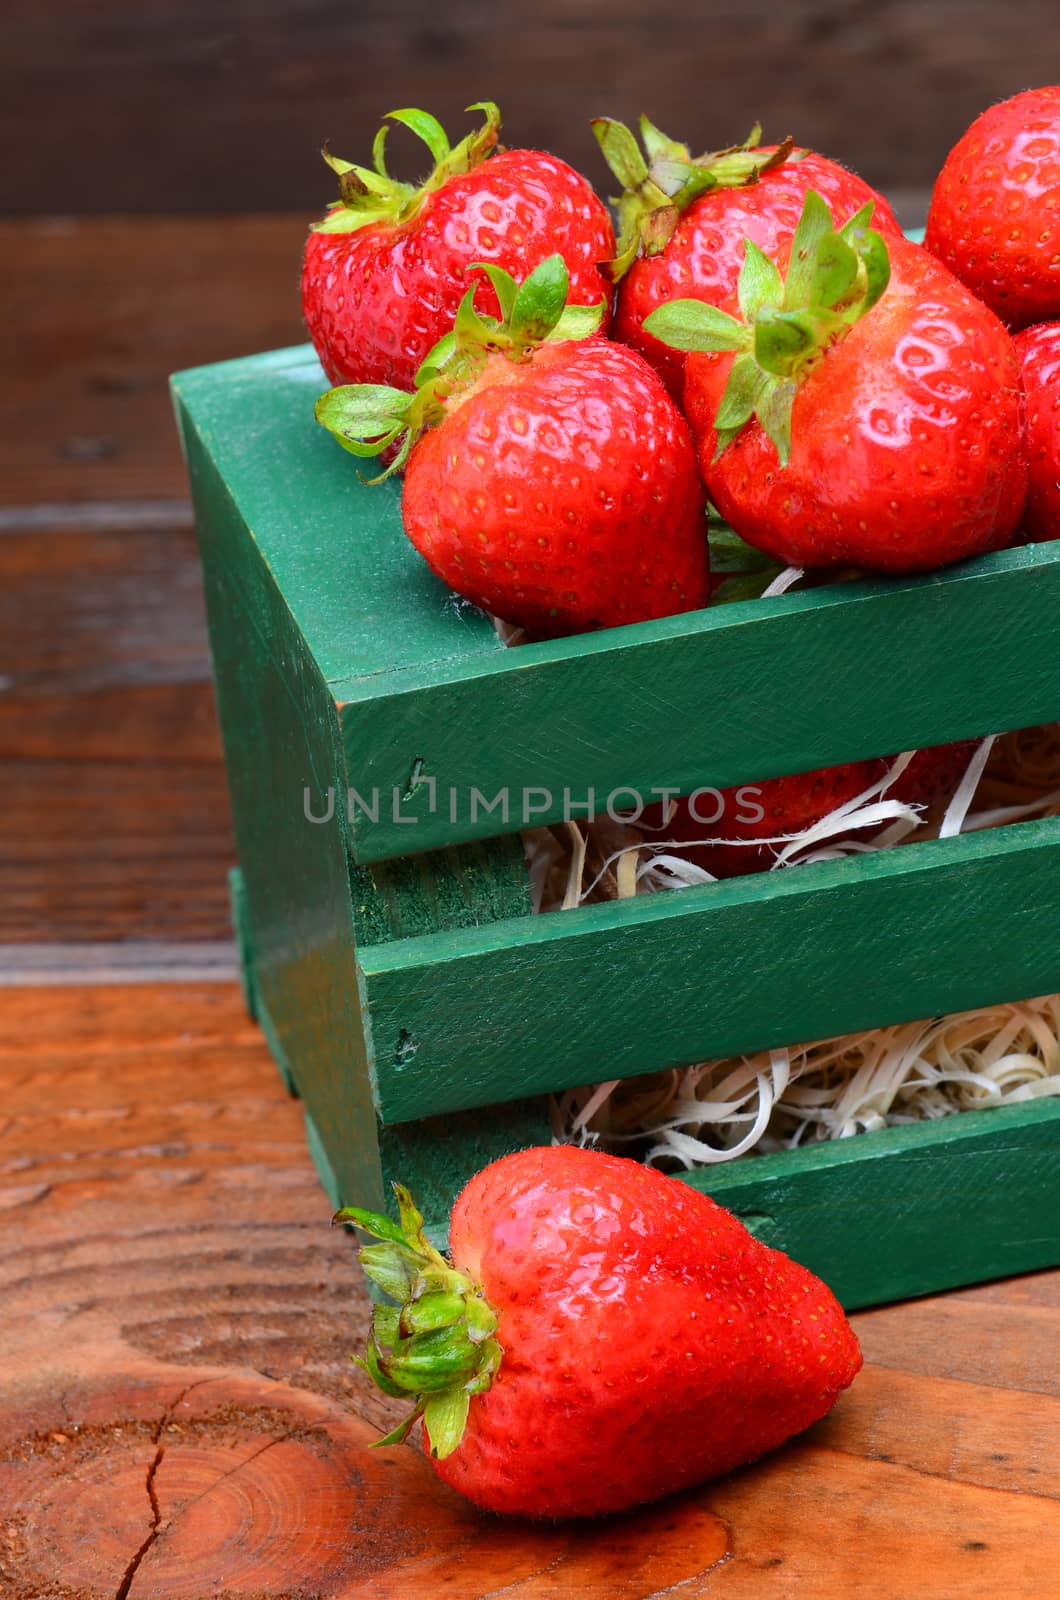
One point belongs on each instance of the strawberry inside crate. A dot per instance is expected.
(781, 1098)
(416, 1003)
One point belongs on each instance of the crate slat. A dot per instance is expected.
(716, 697)
(912, 1209)
(610, 991)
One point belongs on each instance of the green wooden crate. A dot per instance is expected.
(408, 993)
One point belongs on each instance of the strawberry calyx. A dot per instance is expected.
(787, 325)
(436, 1344)
(370, 195)
(368, 418)
(659, 185)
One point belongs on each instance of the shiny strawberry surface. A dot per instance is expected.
(702, 260)
(908, 447)
(562, 493)
(376, 300)
(995, 210)
(648, 1340)
(1039, 352)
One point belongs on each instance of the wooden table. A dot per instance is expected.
(180, 1416)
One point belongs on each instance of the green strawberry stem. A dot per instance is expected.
(436, 1344)
(369, 194)
(835, 277)
(659, 185)
(367, 418)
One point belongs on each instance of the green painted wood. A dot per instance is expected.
(909, 1210)
(426, 692)
(715, 697)
(468, 886)
(237, 896)
(462, 887)
(277, 1037)
(321, 1159)
(280, 731)
(613, 990)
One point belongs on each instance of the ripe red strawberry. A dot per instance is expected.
(1039, 352)
(604, 1336)
(995, 211)
(772, 808)
(683, 223)
(551, 479)
(387, 267)
(842, 419)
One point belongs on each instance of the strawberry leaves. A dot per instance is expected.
(538, 303)
(369, 194)
(692, 325)
(427, 128)
(760, 283)
(787, 324)
(436, 1344)
(659, 185)
(368, 418)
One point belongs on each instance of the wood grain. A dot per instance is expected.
(99, 313)
(95, 609)
(113, 811)
(179, 1410)
(246, 107)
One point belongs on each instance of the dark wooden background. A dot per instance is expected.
(219, 105)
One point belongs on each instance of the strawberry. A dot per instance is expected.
(866, 411)
(683, 223)
(550, 478)
(603, 1335)
(387, 267)
(995, 211)
(773, 808)
(1039, 353)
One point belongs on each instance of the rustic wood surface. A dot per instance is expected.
(187, 105)
(179, 1415)
(98, 314)
(113, 809)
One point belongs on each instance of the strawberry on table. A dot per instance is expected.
(863, 410)
(603, 1335)
(550, 478)
(1039, 352)
(683, 221)
(387, 267)
(995, 211)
